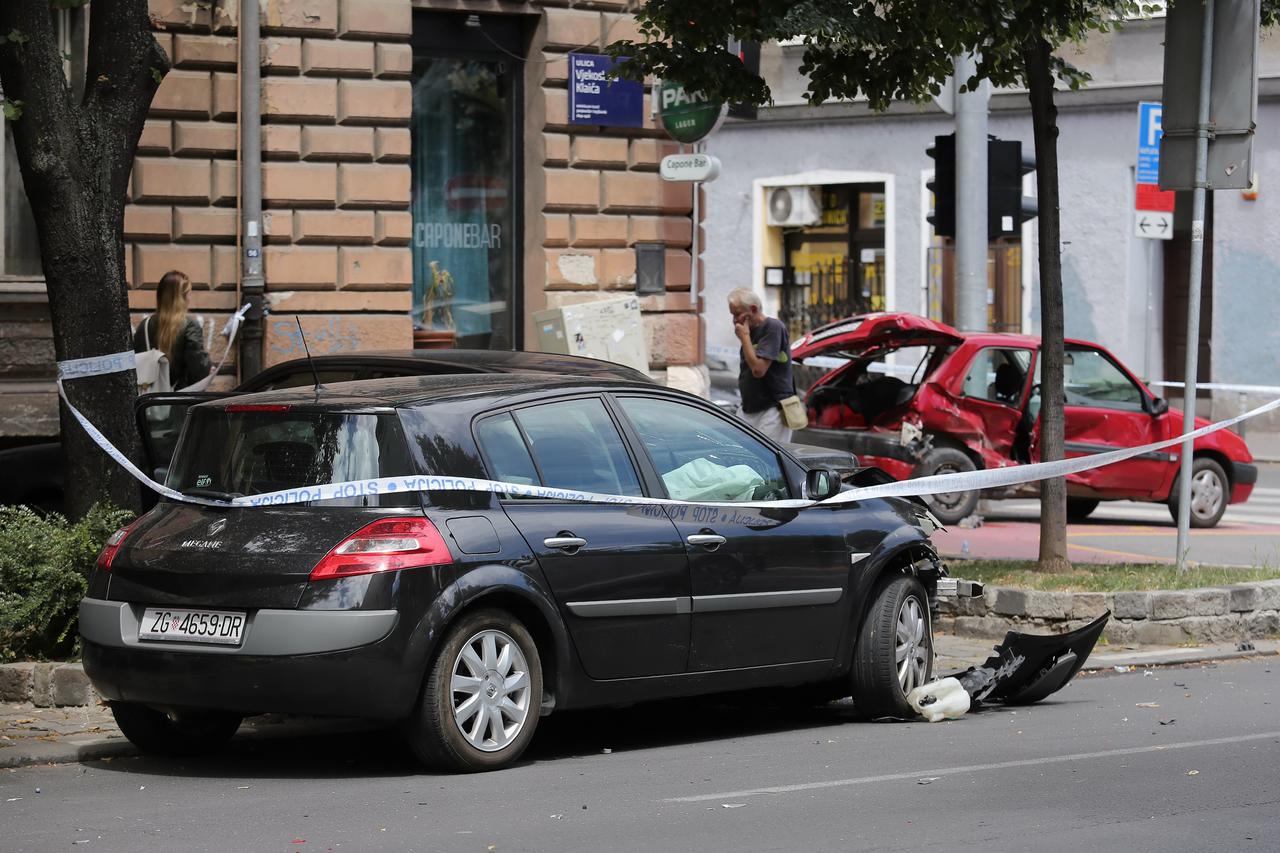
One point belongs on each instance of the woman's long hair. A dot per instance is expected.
(171, 310)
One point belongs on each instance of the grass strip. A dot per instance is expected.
(1103, 577)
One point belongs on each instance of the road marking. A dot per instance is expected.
(1132, 555)
(972, 768)
(1166, 532)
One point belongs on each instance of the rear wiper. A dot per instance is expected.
(212, 493)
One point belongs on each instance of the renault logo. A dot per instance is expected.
(217, 526)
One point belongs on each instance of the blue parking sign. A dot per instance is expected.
(1149, 133)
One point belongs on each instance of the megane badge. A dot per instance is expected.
(217, 526)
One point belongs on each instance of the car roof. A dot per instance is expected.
(398, 391)
(469, 360)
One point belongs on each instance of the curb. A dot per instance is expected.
(1205, 616)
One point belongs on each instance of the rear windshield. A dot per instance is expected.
(224, 454)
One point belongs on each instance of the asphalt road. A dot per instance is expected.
(1174, 760)
(1130, 531)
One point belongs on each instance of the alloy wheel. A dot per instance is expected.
(912, 644)
(490, 690)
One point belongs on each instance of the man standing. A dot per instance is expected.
(764, 366)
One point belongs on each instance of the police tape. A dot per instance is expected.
(1223, 386)
(990, 478)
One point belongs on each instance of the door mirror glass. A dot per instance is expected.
(1158, 406)
(821, 483)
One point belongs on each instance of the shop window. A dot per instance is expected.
(466, 180)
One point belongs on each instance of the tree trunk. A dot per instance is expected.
(75, 158)
(1044, 121)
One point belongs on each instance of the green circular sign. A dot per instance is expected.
(687, 116)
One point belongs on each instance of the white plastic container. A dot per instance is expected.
(943, 699)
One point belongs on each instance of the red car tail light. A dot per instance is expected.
(257, 407)
(114, 541)
(386, 545)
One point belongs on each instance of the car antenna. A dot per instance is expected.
(307, 350)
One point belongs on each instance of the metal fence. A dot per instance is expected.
(821, 293)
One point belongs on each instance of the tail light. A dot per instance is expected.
(386, 545)
(256, 407)
(114, 541)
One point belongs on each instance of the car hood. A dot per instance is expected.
(855, 335)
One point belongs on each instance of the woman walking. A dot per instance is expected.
(174, 333)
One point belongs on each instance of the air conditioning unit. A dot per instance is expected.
(795, 206)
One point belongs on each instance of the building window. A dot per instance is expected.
(1004, 283)
(466, 180)
(835, 267)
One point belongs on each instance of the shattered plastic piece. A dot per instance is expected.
(1026, 668)
(944, 699)
(732, 805)
(1147, 705)
(1193, 772)
(926, 780)
(1120, 668)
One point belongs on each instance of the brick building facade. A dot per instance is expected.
(343, 234)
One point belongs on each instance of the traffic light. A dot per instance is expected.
(943, 185)
(1007, 209)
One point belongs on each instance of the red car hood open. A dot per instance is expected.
(854, 335)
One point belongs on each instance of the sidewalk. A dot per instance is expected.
(31, 735)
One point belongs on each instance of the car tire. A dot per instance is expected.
(1078, 509)
(1210, 493)
(456, 728)
(160, 734)
(951, 507)
(897, 623)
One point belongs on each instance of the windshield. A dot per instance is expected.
(231, 453)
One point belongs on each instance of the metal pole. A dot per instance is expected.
(693, 249)
(971, 200)
(252, 283)
(1193, 290)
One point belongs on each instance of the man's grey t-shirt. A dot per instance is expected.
(773, 344)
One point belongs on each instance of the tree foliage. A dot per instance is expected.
(882, 50)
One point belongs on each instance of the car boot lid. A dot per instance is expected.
(858, 334)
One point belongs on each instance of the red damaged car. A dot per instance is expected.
(916, 397)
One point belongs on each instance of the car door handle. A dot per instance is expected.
(565, 543)
(707, 540)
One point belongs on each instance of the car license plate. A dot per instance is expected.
(192, 626)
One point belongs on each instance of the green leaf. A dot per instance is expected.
(12, 109)
(157, 75)
(18, 37)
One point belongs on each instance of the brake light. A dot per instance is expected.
(257, 407)
(114, 541)
(386, 545)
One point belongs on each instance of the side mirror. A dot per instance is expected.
(821, 483)
(1157, 406)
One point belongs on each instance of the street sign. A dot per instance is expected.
(1154, 207)
(689, 167)
(1156, 224)
(1233, 94)
(595, 98)
(687, 116)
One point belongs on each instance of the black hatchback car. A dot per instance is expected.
(468, 615)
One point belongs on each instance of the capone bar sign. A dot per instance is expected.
(458, 235)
